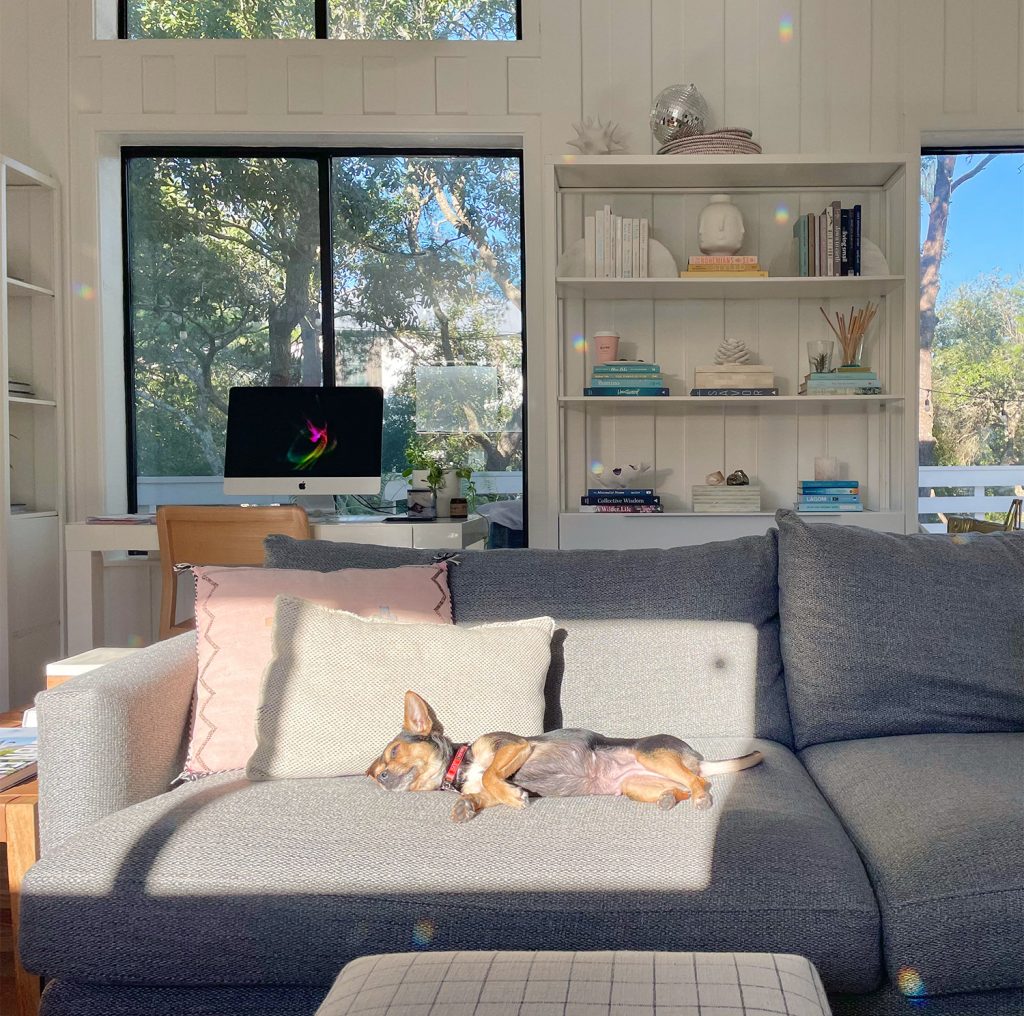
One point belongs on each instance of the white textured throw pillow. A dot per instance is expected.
(333, 691)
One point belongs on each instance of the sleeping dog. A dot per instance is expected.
(502, 768)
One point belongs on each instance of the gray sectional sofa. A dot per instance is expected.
(882, 677)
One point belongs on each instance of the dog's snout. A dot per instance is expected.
(383, 776)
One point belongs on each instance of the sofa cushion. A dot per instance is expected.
(235, 611)
(886, 634)
(333, 693)
(229, 882)
(939, 821)
(681, 641)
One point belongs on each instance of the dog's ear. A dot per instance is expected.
(418, 716)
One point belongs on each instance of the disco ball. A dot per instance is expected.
(678, 112)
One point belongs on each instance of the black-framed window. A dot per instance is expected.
(479, 20)
(231, 256)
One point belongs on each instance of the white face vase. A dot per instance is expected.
(720, 226)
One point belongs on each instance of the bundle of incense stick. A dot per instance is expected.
(851, 336)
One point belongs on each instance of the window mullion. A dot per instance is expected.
(320, 17)
(326, 270)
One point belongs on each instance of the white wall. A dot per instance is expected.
(854, 77)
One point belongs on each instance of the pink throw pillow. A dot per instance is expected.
(234, 623)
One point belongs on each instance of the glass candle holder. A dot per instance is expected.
(819, 355)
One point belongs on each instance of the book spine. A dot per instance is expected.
(626, 368)
(833, 486)
(599, 242)
(603, 499)
(618, 246)
(645, 248)
(830, 499)
(636, 248)
(828, 241)
(627, 248)
(836, 223)
(638, 390)
(811, 260)
(828, 507)
(856, 239)
(701, 392)
(609, 242)
(589, 246)
(606, 381)
(722, 259)
(620, 492)
(629, 509)
(844, 241)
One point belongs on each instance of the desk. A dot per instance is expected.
(84, 545)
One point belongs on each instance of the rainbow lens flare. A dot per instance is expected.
(910, 982)
(303, 457)
(423, 932)
(579, 343)
(786, 28)
(83, 291)
(782, 214)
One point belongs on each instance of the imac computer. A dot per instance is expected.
(299, 441)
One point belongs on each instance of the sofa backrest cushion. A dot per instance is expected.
(682, 641)
(884, 634)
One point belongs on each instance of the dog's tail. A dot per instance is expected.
(731, 765)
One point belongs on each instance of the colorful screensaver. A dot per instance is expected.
(310, 444)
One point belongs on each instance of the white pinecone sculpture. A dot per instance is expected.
(733, 351)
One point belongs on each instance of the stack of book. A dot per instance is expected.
(829, 496)
(843, 381)
(18, 750)
(636, 501)
(614, 247)
(626, 377)
(828, 243)
(724, 500)
(734, 379)
(20, 389)
(739, 266)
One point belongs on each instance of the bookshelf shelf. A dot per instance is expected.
(32, 445)
(679, 323)
(778, 288)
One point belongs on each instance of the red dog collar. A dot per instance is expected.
(448, 783)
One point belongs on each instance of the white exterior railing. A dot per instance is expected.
(977, 479)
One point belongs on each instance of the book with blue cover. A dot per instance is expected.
(828, 508)
(830, 498)
(816, 484)
(620, 491)
(616, 381)
(602, 500)
(625, 390)
(627, 367)
(702, 392)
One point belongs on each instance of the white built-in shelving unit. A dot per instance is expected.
(31, 452)
(679, 323)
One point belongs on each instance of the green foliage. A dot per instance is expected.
(348, 19)
(978, 375)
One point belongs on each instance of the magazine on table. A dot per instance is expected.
(17, 755)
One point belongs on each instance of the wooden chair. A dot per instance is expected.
(215, 534)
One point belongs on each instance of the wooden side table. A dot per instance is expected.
(19, 830)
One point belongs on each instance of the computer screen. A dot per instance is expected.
(304, 440)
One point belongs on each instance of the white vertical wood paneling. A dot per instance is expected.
(704, 53)
(849, 68)
(231, 85)
(922, 45)
(379, 84)
(305, 84)
(814, 76)
(629, 48)
(666, 44)
(742, 49)
(1020, 61)
(159, 93)
(996, 57)
(885, 77)
(87, 85)
(525, 85)
(959, 91)
(561, 60)
(778, 79)
(598, 79)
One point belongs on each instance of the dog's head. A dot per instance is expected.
(418, 757)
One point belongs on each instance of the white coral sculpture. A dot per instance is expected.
(620, 476)
(598, 138)
(733, 351)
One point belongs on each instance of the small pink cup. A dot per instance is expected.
(606, 346)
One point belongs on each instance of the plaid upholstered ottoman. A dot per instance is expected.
(577, 984)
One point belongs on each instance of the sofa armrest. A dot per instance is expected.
(113, 737)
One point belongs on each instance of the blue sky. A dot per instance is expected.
(986, 223)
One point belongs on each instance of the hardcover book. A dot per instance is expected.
(701, 392)
(625, 390)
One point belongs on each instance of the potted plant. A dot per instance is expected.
(432, 468)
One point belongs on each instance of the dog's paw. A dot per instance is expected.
(464, 810)
(517, 798)
(668, 800)
(703, 802)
